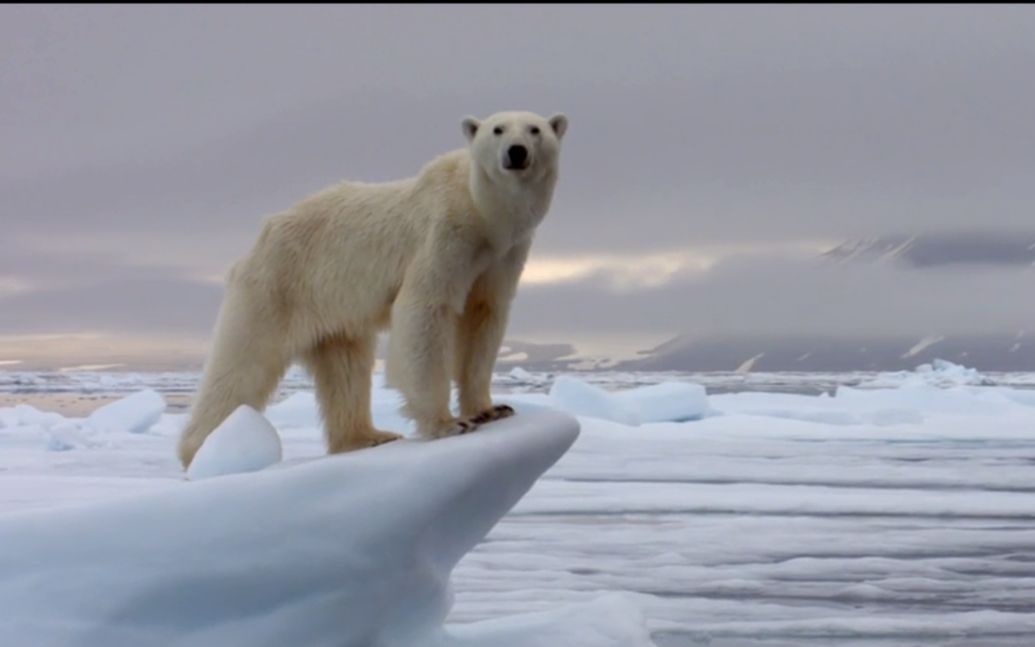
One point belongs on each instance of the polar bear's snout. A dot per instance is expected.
(516, 146)
(516, 158)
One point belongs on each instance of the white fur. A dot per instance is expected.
(436, 257)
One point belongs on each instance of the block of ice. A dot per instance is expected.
(134, 414)
(26, 414)
(669, 401)
(939, 373)
(65, 436)
(244, 442)
(583, 399)
(350, 550)
(519, 373)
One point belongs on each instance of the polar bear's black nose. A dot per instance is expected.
(518, 155)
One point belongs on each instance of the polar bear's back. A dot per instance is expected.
(348, 246)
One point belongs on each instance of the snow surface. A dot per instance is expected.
(873, 517)
(350, 550)
(244, 442)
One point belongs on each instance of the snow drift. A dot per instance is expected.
(347, 550)
(668, 401)
(244, 442)
(135, 413)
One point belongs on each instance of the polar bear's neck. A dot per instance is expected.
(511, 209)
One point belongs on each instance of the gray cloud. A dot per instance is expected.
(127, 305)
(147, 142)
(757, 295)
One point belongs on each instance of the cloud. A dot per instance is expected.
(755, 295)
(703, 140)
(705, 124)
(636, 270)
(155, 305)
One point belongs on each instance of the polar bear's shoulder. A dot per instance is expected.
(443, 186)
(450, 168)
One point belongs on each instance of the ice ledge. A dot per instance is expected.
(348, 550)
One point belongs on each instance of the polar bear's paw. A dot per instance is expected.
(498, 412)
(380, 438)
(461, 426)
(367, 439)
(465, 426)
(445, 429)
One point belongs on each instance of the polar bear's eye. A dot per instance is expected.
(498, 130)
(535, 130)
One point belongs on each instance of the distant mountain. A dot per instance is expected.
(1007, 352)
(527, 354)
(933, 249)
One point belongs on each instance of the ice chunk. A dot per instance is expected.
(583, 399)
(65, 436)
(669, 401)
(244, 442)
(939, 373)
(25, 414)
(134, 413)
(349, 550)
(519, 373)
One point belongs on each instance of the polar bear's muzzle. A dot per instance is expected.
(516, 158)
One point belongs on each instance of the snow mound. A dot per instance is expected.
(350, 550)
(244, 442)
(668, 401)
(135, 413)
(64, 437)
(940, 373)
(22, 415)
(519, 373)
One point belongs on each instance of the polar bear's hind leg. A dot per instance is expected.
(342, 367)
(245, 365)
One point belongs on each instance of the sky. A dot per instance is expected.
(713, 154)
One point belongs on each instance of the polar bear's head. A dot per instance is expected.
(519, 145)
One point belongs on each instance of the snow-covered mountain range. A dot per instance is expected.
(937, 249)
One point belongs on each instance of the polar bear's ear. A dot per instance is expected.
(470, 126)
(559, 123)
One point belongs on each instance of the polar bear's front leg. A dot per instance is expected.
(479, 335)
(418, 351)
(424, 314)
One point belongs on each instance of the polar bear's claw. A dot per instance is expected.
(383, 437)
(503, 411)
(498, 412)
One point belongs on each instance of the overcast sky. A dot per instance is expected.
(713, 153)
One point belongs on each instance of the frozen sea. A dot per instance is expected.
(797, 509)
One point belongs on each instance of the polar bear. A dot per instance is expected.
(435, 258)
